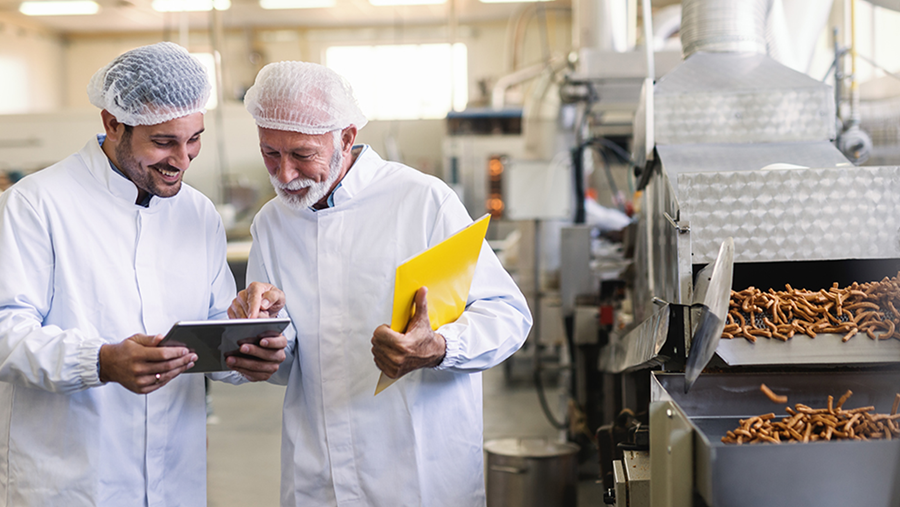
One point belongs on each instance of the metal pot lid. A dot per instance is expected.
(529, 447)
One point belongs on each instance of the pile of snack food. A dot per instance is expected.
(870, 308)
(807, 424)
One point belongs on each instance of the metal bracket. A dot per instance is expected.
(671, 456)
(680, 229)
(659, 301)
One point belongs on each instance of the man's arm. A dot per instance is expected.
(49, 357)
(493, 326)
(397, 354)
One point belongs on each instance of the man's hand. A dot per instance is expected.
(397, 354)
(259, 300)
(267, 356)
(140, 366)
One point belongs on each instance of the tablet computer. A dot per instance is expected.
(215, 340)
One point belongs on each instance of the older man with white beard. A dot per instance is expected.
(292, 191)
(343, 221)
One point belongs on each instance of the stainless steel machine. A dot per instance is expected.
(691, 466)
(742, 179)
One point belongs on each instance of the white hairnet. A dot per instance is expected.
(151, 85)
(302, 97)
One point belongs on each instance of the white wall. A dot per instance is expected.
(86, 55)
(878, 35)
(34, 141)
(32, 66)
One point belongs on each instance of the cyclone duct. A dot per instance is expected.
(730, 90)
(724, 26)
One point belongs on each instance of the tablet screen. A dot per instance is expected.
(215, 340)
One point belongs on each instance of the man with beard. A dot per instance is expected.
(343, 221)
(100, 253)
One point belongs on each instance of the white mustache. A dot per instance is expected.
(297, 184)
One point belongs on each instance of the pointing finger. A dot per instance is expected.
(254, 302)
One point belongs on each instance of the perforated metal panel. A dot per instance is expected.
(794, 214)
(695, 158)
(740, 98)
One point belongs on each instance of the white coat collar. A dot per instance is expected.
(99, 165)
(359, 176)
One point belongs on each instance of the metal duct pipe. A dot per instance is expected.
(737, 26)
(602, 24)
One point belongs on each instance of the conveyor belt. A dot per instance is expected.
(803, 350)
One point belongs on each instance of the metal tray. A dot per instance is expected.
(803, 350)
(819, 473)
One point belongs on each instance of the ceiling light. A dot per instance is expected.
(385, 3)
(510, 1)
(190, 5)
(61, 8)
(296, 4)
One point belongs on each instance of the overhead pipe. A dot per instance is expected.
(216, 35)
(648, 39)
(498, 92)
(724, 26)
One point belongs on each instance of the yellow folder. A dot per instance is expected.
(446, 269)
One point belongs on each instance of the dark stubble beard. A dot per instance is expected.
(142, 179)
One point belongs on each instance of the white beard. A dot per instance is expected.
(316, 190)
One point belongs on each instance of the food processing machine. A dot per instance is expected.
(691, 466)
(742, 187)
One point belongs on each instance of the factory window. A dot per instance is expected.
(209, 62)
(14, 97)
(404, 81)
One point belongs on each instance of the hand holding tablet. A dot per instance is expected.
(215, 340)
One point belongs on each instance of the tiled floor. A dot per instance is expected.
(245, 432)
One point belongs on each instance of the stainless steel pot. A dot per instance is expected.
(531, 472)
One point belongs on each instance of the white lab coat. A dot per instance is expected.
(82, 265)
(418, 443)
